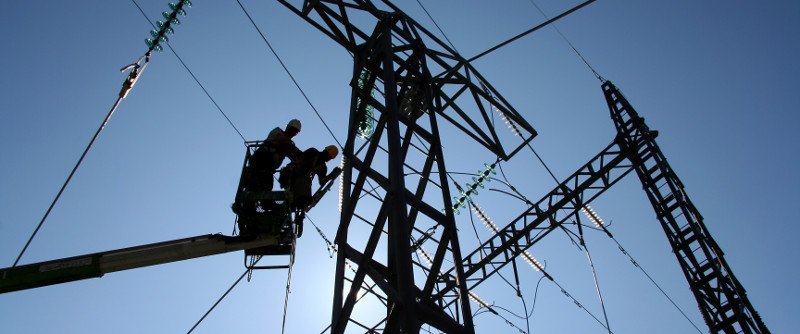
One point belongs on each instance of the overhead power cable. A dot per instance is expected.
(136, 70)
(602, 227)
(132, 76)
(637, 265)
(489, 224)
(535, 294)
(530, 30)
(437, 26)
(538, 267)
(569, 43)
(220, 299)
(621, 249)
(289, 73)
(544, 164)
(193, 76)
(577, 303)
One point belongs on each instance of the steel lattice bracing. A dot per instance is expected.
(419, 81)
(722, 299)
(466, 97)
(400, 209)
(398, 175)
(542, 217)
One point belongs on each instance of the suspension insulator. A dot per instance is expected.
(366, 126)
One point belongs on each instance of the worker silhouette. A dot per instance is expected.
(270, 155)
(265, 161)
(298, 175)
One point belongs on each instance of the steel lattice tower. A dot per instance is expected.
(401, 169)
(421, 81)
(721, 298)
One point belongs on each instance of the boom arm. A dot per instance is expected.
(98, 264)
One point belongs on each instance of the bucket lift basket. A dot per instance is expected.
(264, 213)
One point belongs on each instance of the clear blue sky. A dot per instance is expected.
(718, 80)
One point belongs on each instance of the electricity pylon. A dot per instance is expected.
(421, 81)
(720, 296)
(722, 299)
(398, 176)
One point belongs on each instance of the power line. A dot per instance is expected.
(594, 273)
(602, 227)
(564, 291)
(516, 288)
(522, 197)
(530, 30)
(543, 164)
(221, 298)
(621, 249)
(570, 43)
(437, 26)
(636, 264)
(130, 80)
(491, 308)
(582, 243)
(289, 73)
(193, 76)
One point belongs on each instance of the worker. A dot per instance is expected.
(270, 155)
(298, 175)
(266, 160)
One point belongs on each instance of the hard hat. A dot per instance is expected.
(332, 151)
(295, 124)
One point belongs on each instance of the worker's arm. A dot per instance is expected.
(334, 173)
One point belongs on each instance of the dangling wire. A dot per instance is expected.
(580, 246)
(535, 294)
(594, 273)
(490, 308)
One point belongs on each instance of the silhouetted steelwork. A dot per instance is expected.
(421, 81)
(722, 299)
(396, 60)
(542, 217)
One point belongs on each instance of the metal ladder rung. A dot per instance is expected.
(728, 322)
(705, 279)
(686, 243)
(704, 268)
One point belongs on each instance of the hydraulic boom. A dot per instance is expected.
(98, 264)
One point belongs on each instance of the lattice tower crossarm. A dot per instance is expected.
(392, 79)
(541, 218)
(722, 299)
(399, 56)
